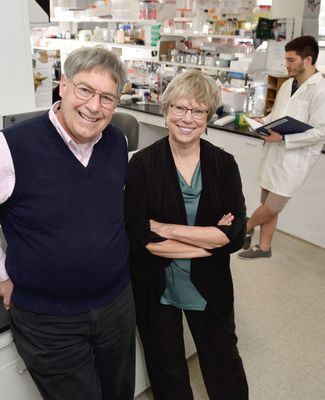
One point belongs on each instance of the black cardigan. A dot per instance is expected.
(153, 192)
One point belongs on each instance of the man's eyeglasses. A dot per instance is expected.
(180, 111)
(86, 93)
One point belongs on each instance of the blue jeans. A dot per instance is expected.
(89, 356)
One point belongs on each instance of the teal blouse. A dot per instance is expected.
(180, 291)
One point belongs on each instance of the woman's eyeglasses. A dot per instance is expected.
(180, 111)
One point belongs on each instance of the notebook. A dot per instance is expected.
(285, 126)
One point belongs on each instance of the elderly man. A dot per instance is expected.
(65, 274)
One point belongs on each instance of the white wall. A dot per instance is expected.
(321, 61)
(16, 73)
(289, 8)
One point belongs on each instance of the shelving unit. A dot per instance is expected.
(209, 70)
(209, 44)
(53, 43)
(128, 52)
(145, 53)
(108, 20)
(273, 85)
(204, 43)
(204, 35)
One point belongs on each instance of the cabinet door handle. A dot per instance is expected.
(251, 144)
(21, 370)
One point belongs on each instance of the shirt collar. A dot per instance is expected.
(63, 133)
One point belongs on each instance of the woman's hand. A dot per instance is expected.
(226, 219)
(158, 227)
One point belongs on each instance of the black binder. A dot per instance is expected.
(285, 126)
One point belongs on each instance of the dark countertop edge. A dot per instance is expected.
(154, 109)
(4, 328)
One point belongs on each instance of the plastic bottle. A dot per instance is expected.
(201, 58)
(265, 11)
(205, 22)
(197, 21)
(120, 35)
(249, 101)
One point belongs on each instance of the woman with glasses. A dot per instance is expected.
(185, 214)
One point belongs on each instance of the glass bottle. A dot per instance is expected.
(228, 28)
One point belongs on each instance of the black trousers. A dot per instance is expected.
(89, 356)
(216, 343)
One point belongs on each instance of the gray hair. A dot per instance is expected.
(195, 85)
(99, 59)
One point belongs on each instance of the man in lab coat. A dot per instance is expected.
(289, 159)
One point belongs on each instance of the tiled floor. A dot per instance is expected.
(280, 315)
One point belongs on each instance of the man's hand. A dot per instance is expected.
(273, 137)
(260, 120)
(6, 288)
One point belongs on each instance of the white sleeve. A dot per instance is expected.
(7, 179)
(7, 170)
(3, 273)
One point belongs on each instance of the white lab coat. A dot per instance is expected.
(286, 165)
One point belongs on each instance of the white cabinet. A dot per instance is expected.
(216, 137)
(15, 381)
(141, 378)
(248, 153)
(304, 215)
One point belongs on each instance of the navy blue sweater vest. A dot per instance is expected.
(64, 223)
